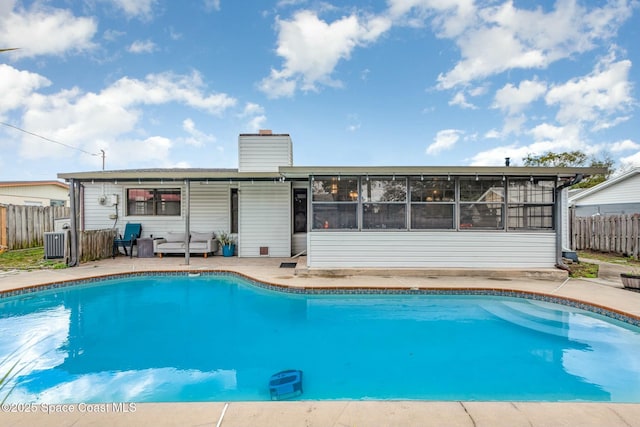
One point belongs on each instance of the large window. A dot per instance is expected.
(482, 203)
(530, 204)
(384, 203)
(152, 202)
(335, 203)
(432, 203)
(428, 203)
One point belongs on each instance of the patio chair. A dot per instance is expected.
(131, 233)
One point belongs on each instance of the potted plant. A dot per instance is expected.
(227, 242)
(631, 280)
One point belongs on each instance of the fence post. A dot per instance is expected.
(3, 227)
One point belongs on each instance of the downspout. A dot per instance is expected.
(73, 235)
(559, 262)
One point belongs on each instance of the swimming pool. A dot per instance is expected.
(219, 337)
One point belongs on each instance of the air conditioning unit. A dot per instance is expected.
(54, 244)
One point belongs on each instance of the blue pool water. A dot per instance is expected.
(168, 338)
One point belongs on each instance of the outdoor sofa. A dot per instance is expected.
(174, 243)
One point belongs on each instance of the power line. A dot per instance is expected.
(51, 140)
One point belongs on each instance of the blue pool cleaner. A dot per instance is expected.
(285, 384)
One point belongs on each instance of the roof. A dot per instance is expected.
(304, 172)
(33, 184)
(605, 184)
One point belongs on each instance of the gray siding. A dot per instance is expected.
(626, 191)
(431, 249)
(209, 209)
(264, 153)
(264, 218)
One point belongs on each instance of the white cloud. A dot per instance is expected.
(106, 120)
(255, 113)
(142, 46)
(353, 122)
(196, 138)
(211, 5)
(546, 137)
(444, 140)
(632, 161)
(141, 9)
(43, 30)
(513, 100)
(17, 85)
(311, 49)
(460, 100)
(626, 145)
(251, 109)
(112, 35)
(596, 97)
(256, 123)
(504, 37)
(496, 156)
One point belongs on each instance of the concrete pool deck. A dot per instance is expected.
(606, 291)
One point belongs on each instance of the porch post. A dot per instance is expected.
(73, 235)
(187, 225)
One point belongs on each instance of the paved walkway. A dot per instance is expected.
(605, 291)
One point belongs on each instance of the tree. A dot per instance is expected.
(574, 159)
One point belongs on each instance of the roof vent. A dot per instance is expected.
(266, 132)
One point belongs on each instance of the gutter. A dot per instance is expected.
(576, 179)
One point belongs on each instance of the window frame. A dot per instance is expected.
(414, 204)
(341, 196)
(529, 205)
(499, 207)
(378, 203)
(155, 200)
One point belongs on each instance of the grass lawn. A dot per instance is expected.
(586, 269)
(28, 259)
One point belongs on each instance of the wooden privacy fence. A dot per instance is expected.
(23, 227)
(615, 233)
(95, 244)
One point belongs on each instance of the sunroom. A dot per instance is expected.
(410, 217)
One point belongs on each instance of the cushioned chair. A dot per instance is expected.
(131, 233)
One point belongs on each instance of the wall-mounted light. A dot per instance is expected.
(448, 177)
(477, 177)
(421, 177)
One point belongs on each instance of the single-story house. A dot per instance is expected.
(34, 193)
(616, 196)
(343, 216)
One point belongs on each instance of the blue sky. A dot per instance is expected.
(159, 83)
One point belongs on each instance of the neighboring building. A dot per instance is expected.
(34, 193)
(615, 196)
(368, 216)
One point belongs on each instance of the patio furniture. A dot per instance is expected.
(131, 233)
(173, 243)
